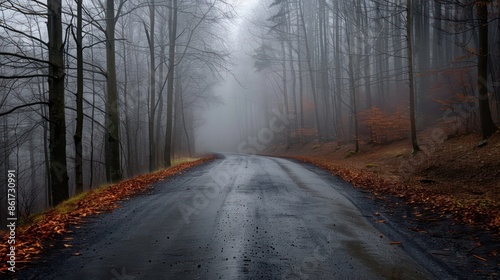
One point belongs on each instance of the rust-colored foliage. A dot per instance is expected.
(30, 240)
(384, 126)
(308, 133)
(454, 91)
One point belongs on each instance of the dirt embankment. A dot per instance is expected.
(450, 188)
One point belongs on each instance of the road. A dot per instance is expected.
(239, 217)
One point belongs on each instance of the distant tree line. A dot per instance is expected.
(378, 70)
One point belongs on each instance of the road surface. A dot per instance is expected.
(239, 217)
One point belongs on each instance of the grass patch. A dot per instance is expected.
(71, 203)
(64, 207)
(177, 161)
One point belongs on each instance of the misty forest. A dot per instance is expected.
(191, 121)
(93, 92)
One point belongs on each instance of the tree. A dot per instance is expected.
(58, 166)
(172, 23)
(150, 35)
(409, 43)
(112, 113)
(488, 127)
(352, 82)
(79, 100)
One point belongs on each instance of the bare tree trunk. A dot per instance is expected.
(137, 127)
(409, 38)
(352, 83)
(167, 156)
(58, 166)
(112, 113)
(129, 160)
(285, 92)
(91, 163)
(301, 82)
(487, 125)
(46, 153)
(184, 126)
(161, 85)
(294, 86)
(323, 57)
(367, 57)
(338, 63)
(381, 44)
(79, 100)
(152, 85)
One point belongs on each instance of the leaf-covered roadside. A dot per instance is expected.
(32, 239)
(479, 212)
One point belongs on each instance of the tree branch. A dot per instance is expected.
(22, 106)
(24, 57)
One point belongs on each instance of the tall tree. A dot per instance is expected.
(161, 85)
(58, 166)
(487, 125)
(79, 99)
(172, 23)
(112, 113)
(409, 43)
(353, 61)
(150, 35)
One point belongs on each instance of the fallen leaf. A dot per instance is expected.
(479, 258)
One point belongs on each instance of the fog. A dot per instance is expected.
(131, 87)
(222, 130)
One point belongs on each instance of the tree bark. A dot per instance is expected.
(152, 85)
(161, 85)
(352, 84)
(184, 126)
(129, 160)
(487, 125)
(112, 113)
(79, 100)
(285, 91)
(57, 147)
(167, 156)
(409, 37)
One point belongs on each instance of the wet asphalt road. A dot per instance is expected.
(239, 217)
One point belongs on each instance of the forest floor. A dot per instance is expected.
(451, 189)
